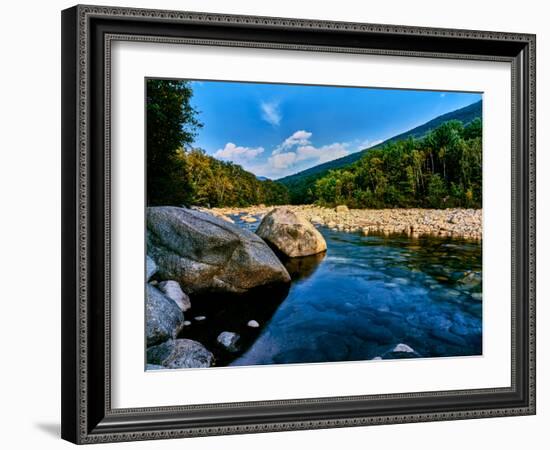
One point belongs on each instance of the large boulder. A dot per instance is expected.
(163, 318)
(207, 254)
(179, 354)
(291, 234)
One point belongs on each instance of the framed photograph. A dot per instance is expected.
(280, 224)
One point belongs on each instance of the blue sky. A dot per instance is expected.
(274, 130)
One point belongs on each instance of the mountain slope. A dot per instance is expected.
(299, 183)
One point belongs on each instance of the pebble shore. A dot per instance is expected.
(455, 223)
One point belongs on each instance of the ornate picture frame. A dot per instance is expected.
(87, 35)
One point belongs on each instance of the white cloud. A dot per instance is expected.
(322, 154)
(271, 113)
(238, 154)
(295, 153)
(298, 153)
(282, 160)
(300, 137)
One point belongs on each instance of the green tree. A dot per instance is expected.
(171, 125)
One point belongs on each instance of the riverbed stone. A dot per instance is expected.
(228, 340)
(173, 290)
(163, 318)
(207, 254)
(291, 234)
(179, 354)
(402, 348)
(452, 222)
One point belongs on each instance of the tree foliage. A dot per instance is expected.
(217, 183)
(171, 124)
(440, 170)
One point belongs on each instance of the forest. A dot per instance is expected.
(442, 169)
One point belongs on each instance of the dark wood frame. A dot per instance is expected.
(87, 32)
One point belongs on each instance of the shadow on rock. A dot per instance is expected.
(244, 314)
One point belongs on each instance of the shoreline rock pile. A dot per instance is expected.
(455, 223)
(190, 252)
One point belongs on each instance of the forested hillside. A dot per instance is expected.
(300, 184)
(440, 170)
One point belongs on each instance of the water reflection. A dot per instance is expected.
(300, 268)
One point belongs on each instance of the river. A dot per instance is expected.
(368, 297)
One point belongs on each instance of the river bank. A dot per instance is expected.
(454, 223)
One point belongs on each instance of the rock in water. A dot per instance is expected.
(402, 348)
(173, 291)
(291, 234)
(207, 254)
(180, 354)
(228, 340)
(151, 267)
(163, 318)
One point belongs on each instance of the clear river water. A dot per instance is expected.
(367, 297)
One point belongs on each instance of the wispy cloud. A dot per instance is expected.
(271, 112)
(280, 161)
(322, 154)
(238, 154)
(366, 143)
(300, 137)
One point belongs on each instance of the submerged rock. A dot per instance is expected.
(404, 348)
(173, 291)
(180, 354)
(150, 267)
(228, 340)
(163, 318)
(207, 254)
(401, 351)
(291, 234)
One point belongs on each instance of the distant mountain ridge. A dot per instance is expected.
(299, 182)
